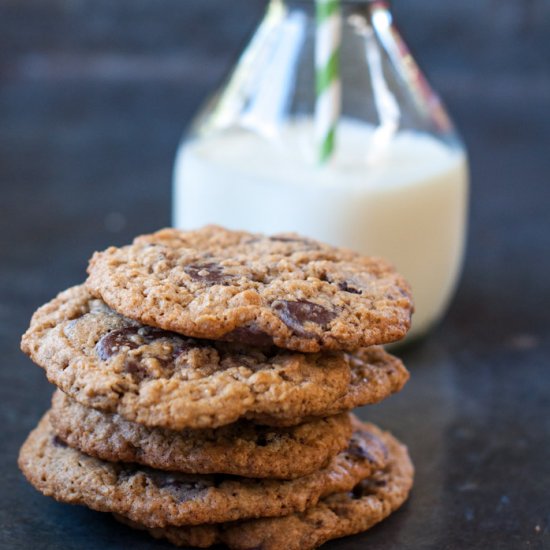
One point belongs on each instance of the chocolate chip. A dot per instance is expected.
(150, 334)
(357, 449)
(132, 367)
(138, 372)
(58, 442)
(210, 272)
(249, 335)
(295, 314)
(128, 337)
(346, 287)
(110, 343)
(360, 448)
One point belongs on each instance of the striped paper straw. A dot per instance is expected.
(327, 76)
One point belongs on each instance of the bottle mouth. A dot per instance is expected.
(346, 6)
(356, 3)
(342, 2)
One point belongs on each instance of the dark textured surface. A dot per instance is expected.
(93, 98)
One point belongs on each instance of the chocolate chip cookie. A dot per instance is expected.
(285, 290)
(338, 515)
(242, 448)
(153, 377)
(157, 498)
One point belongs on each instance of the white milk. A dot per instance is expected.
(408, 203)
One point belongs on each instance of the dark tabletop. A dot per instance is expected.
(94, 95)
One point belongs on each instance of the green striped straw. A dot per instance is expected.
(327, 76)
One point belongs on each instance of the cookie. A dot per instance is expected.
(156, 498)
(153, 377)
(375, 374)
(339, 515)
(285, 290)
(242, 449)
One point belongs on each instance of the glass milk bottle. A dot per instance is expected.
(327, 127)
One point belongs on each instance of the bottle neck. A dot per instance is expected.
(356, 66)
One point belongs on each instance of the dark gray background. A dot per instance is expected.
(94, 95)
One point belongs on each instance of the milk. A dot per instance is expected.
(404, 199)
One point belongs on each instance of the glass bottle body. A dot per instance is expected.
(396, 183)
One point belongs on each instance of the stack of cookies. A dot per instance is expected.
(205, 380)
